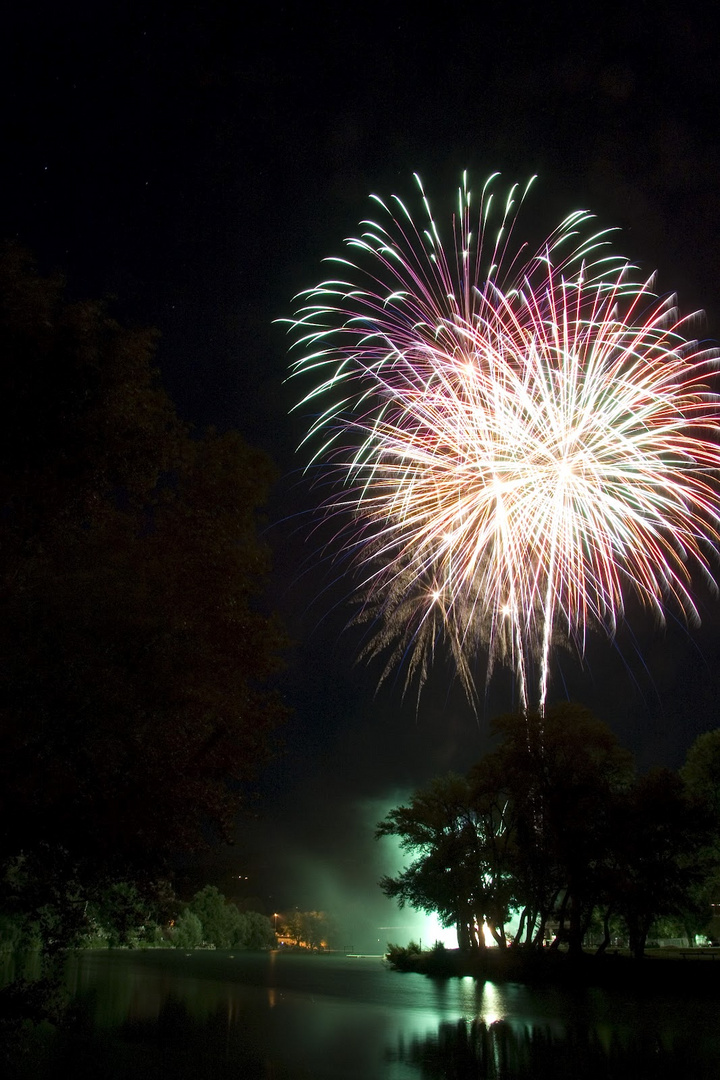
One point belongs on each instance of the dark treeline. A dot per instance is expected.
(556, 830)
(136, 657)
(125, 917)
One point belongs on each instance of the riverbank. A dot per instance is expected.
(659, 968)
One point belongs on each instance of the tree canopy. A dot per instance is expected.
(222, 924)
(555, 827)
(136, 657)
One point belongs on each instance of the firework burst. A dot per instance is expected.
(520, 439)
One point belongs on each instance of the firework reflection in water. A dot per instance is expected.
(521, 440)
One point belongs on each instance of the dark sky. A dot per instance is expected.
(197, 162)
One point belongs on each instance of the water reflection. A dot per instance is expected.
(287, 1017)
(499, 1051)
(491, 1004)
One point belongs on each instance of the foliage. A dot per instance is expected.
(701, 772)
(259, 933)
(222, 925)
(402, 958)
(11, 933)
(121, 911)
(555, 826)
(136, 658)
(560, 775)
(701, 777)
(658, 856)
(221, 922)
(306, 929)
(188, 931)
(445, 827)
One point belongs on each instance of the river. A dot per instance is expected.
(288, 1016)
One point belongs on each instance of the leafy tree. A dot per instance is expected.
(496, 812)
(530, 827)
(659, 854)
(123, 915)
(135, 657)
(259, 933)
(453, 873)
(307, 929)
(562, 773)
(188, 933)
(554, 824)
(223, 925)
(701, 772)
(316, 929)
(210, 919)
(701, 776)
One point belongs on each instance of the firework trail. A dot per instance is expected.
(520, 438)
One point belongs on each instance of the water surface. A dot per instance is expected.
(290, 1016)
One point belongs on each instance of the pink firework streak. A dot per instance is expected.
(522, 440)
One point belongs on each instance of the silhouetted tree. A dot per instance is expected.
(658, 854)
(555, 825)
(308, 929)
(701, 776)
(562, 773)
(135, 657)
(496, 813)
(701, 771)
(529, 828)
(450, 826)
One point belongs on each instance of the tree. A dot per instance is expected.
(561, 774)
(136, 659)
(701, 771)
(496, 811)
(701, 777)
(453, 873)
(259, 933)
(122, 915)
(188, 932)
(307, 929)
(530, 827)
(659, 854)
(223, 925)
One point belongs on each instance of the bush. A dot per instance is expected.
(188, 932)
(259, 934)
(403, 958)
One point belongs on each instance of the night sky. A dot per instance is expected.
(196, 164)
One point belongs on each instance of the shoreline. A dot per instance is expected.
(507, 965)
